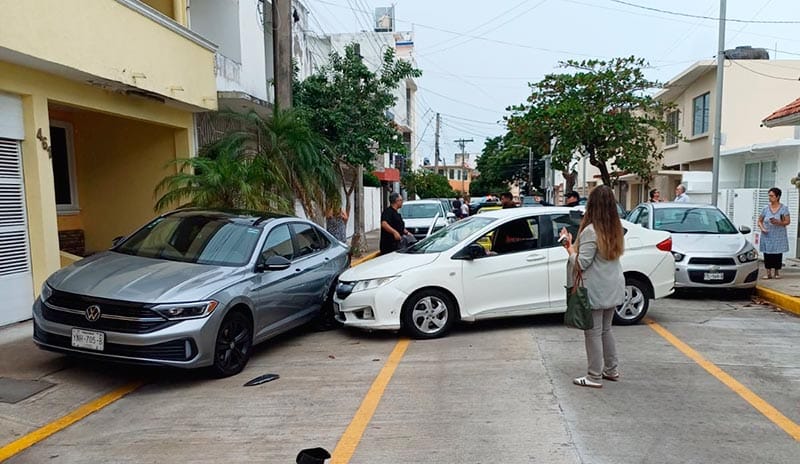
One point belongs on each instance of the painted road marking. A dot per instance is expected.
(755, 401)
(45, 431)
(352, 435)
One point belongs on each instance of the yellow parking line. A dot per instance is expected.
(360, 260)
(352, 435)
(45, 431)
(755, 401)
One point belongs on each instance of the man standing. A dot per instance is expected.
(507, 200)
(572, 198)
(680, 194)
(392, 225)
(464, 208)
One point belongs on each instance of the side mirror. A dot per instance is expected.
(115, 241)
(472, 251)
(273, 263)
(745, 230)
(451, 217)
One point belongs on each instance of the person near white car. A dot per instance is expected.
(774, 241)
(680, 194)
(597, 253)
(392, 225)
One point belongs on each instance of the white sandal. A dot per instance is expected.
(586, 382)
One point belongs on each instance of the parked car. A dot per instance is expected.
(529, 200)
(424, 216)
(501, 263)
(709, 251)
(479, 202)
(620, 209)
(192, 288)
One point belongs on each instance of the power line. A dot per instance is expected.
(496, 123)
(451, 39)
(736, 62)
(689, 15)
(457, 101)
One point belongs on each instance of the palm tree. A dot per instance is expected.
(226, 174)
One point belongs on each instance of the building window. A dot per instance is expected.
(452, 174)
(700, 122)
(672, 121)
(760, 174)
(63, 159)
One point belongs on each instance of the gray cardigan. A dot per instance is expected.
(602, 278)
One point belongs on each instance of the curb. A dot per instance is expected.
(783, 301)
(364, 258)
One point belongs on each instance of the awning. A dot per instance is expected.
(388, 175)
(788, 115)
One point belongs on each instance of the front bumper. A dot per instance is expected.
(694, 275)
(186, 344)
(385, 304)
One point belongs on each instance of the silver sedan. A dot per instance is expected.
(192, 289)
(709, 251)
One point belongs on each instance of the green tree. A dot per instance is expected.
(504, 161)
(602, 110)
(427, 184)
(346, 103)
(225, 174)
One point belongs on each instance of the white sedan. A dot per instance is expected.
(498, 264)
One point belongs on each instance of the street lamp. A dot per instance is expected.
(530, 165)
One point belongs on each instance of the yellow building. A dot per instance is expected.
(96, 98)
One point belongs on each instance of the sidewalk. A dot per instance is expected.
(370, 246)
(784, 292)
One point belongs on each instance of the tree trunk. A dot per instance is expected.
(569, 180)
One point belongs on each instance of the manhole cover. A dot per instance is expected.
(15, 390)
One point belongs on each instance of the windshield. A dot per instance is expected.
(450, 236)
(420, 210)
(692, 221)
(194, 239)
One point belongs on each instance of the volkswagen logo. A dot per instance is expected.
(93, 313)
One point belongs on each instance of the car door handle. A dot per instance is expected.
(536, 257)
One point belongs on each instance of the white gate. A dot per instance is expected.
(16, 280)
(747, 205)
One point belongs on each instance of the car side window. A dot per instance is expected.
(561, 221)
(644, 218)
(512, 237)
(278, 243)
(307, 239)
(634, 215)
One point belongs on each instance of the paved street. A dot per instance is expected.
(493, 392)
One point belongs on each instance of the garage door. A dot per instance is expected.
(16, 282)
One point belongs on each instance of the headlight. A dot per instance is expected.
(678, 256)
(362, 285)
(747, 256)
(180, 311)
(46, 293)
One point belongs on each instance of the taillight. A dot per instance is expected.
(665, 245)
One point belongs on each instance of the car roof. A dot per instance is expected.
(421, 202)
(253, 218)
(672, 204)
(522, 211)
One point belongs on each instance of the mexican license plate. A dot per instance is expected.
(88, 339)
(713, 276)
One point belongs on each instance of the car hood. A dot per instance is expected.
(722, 244)
(387, 265)
(119, 276)
(424, 222)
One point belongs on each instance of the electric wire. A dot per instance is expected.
(689, 15)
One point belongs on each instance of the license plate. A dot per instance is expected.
(88, 339)
(713, 276)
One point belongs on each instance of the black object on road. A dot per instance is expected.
(313, 456)
(262, 379)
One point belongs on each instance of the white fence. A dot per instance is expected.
(372, 210)
(744, 206)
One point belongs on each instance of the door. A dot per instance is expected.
(16, 279)
(274, 292)
(313, 265)
(513, 278)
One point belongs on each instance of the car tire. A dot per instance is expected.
(636, 303)
(428, 313)
(233, 345)
(326, 319)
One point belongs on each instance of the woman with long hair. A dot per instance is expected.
(596, 254)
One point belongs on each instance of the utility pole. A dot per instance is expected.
(530, 170)
(436, 150)
(282, 52)
(718, 105)
(462, 143)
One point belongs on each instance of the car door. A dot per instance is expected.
(273, 291)
(557, 255)
(512, 279)
(312, 265)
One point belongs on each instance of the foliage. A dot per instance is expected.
(225, 174)
(427, 184)
(371, 180)
(346, 104)
(504, 161)
(602, 110)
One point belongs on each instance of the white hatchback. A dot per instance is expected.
(498, 264)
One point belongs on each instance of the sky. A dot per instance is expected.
(477, 57)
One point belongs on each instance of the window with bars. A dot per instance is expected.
(672, 121)
(63, 159)
(760, 174)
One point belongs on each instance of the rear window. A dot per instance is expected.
(420, 210)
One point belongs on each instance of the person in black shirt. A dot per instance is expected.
(392, 225)
(507, 200)
(572, 198)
